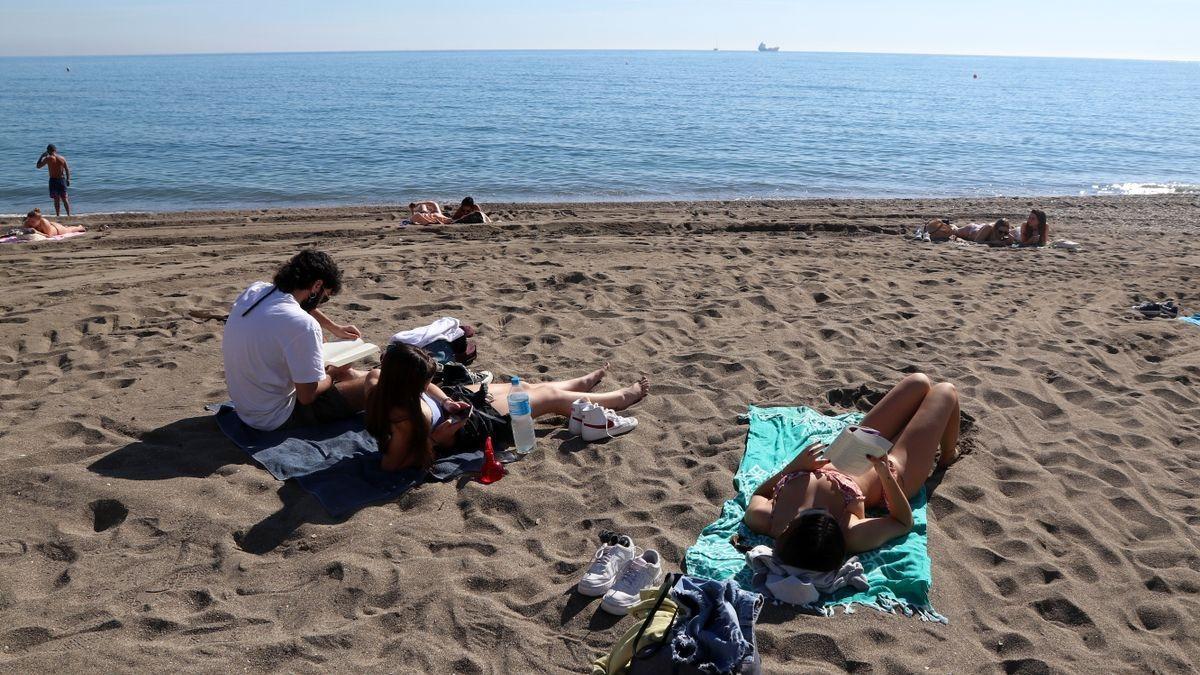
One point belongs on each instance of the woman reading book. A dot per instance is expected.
(817, 514)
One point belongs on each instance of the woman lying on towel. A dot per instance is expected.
(37, 221)
(427, 213)
(816, 514)
(996, 234)
(413, 419)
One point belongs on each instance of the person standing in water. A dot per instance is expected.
(60, 177)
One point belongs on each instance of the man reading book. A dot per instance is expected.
(274, 366)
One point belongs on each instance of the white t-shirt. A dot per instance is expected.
(266, 351)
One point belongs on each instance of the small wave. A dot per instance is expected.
(1147, 189)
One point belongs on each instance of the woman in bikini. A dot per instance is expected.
(34, 219)
(427, 213)
(413, 419)
(817, 514)
(996, 234)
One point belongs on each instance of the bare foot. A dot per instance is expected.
(586, 383)
(635, 392)
(594, 378)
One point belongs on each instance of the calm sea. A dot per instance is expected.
(184, 132)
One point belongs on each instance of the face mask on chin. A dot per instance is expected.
(312, 301)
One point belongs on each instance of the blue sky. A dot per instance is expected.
(1150, 29)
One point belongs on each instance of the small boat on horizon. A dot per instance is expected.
(762, 47)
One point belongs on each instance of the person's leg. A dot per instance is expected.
(586, 383)
(895, 409)
(949, 443)
(67, 203)
(549, 400)
(935, 423)
(57, 207)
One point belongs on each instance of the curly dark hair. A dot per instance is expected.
(306, 267)
(813, 541)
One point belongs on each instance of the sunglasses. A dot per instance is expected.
(612, 538)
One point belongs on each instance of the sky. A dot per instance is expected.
(1146, 29)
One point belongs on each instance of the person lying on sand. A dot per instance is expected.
(468, 212)
(1035, 232)
(37, 221)
(816, 514)
(274, 364)
(428, 213)
(413, 419)
(996, 234)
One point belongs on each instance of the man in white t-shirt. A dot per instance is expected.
(274, 366)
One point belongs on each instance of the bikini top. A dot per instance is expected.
(435, 410)
(851, 493)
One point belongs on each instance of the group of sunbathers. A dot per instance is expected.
(1034, 232)
(430, 213)
(277, 379)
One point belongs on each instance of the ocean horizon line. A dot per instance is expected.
(603, 50)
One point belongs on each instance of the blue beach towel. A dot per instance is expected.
(337, 463)
(1193, 319)
(898, 573)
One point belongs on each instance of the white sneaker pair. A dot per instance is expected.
(595, 422)
(619, 573)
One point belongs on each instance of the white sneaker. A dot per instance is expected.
(578, 409)
(644, 570)
(600, 423)
(610, 560)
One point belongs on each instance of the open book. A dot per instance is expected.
(849, 451)
(347, 351)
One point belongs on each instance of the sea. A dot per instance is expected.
(148, 133)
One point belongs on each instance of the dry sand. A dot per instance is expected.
(1066, 542)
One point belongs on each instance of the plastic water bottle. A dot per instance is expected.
(522, 417)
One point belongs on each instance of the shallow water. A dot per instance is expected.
(176, 132)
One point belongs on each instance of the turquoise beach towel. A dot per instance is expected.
(898, 573)
(1193, 319)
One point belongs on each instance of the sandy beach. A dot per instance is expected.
(137, 538)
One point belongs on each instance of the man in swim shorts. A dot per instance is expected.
(60, 177)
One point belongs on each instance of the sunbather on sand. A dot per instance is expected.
(37, 221)
(413, 419)
(816, 514)
(996, 234)
(428, 213)
(469, 212)
(1035, 232)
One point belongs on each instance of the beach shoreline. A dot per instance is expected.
(1066, 541)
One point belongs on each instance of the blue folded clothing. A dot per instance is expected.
(337, 463)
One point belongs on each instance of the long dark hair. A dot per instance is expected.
(1041, 217)
(812, 541)
(404, 373)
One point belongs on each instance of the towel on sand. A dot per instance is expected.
(1193, 319)
(338, 463)
(33, 235)
(898, 573)
(784, 583)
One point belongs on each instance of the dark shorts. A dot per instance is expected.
(484, 422)
(330, 406)
(58, 187)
